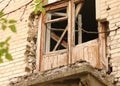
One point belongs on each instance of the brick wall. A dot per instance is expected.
(110, 10)
(10, 69)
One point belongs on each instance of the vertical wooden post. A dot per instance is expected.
(38, 44)
(102, 45)
(79, 29)
(71, 28)
(47, 46)
(42, 40)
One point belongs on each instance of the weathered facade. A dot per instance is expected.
(75, 43)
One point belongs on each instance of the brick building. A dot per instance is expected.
(75, 43)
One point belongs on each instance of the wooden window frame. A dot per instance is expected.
(42, 20)
(72, 13)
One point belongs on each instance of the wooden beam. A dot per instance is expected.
(57, 20)
(59, 41)
(38, 60)
(78, 8)
(42, 41)
(71, 28)
(56, 38)
(58, 14)
(80, 29)
(102, 45)
(58, 29)
(47, 46)
(59, 4)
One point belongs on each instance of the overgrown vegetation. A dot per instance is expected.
(11, 24)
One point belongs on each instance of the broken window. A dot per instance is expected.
(55, 26)
(56, 23)
(67, 24)
(86, 23)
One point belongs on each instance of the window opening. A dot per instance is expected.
(56, 23)
(86, 21)
(55, 29)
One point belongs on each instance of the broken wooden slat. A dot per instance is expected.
(57, 20)
(59, 41)
(78, 8)
(56, 38)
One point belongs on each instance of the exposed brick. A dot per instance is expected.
(113, 43)
(19, 40)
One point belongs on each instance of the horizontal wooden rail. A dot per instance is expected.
(57, 20)
(59, 29)
(58, 14)
(59, 4)
(56, 38)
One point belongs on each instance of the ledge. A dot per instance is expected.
(77, 69)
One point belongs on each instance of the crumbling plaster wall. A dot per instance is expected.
(109, 10)
(31, 48)
(81, 73)
(21, 42)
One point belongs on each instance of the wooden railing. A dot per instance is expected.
(88, 51)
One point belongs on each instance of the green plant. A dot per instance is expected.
(11, 24)
(4, 45)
